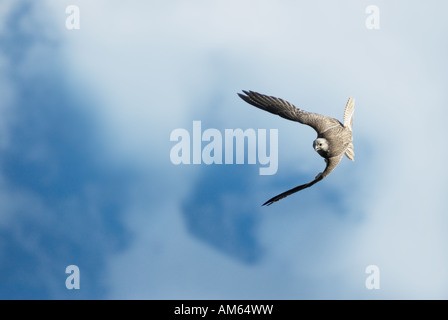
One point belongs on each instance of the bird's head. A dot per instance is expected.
(320, 145)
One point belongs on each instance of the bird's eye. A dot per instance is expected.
(320, 144)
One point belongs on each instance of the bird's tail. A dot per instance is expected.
(349, 152)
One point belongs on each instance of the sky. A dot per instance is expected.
(86, 177)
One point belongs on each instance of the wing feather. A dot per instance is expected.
(288, 111)
(331, 164)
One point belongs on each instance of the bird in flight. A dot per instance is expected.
(334, 139)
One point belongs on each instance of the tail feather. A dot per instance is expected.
(348, 113)
(349, 152)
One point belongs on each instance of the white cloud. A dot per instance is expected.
(154, 68)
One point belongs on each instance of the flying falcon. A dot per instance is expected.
(334, 139)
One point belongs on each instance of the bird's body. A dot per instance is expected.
(335, 136)
(334, 139)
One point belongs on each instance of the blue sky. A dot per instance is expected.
(85, 170)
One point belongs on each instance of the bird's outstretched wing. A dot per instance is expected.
(331, 164)
(288, 111)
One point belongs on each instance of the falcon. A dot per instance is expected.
(334, 139)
